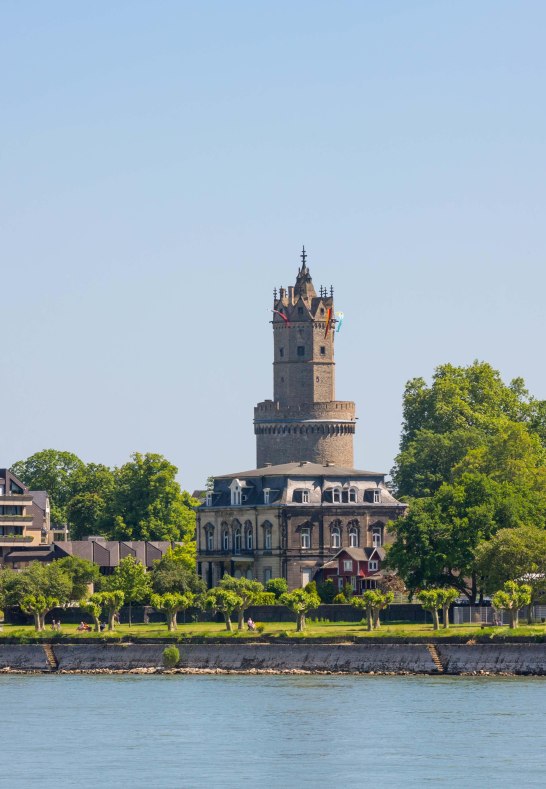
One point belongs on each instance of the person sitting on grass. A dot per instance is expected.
(250, 624)
(83, 626)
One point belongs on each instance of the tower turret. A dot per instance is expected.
(304, 421)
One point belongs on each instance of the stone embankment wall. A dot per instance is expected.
(348, 658)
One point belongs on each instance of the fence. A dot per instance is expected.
(487, 615)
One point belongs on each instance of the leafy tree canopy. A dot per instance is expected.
(52, 471)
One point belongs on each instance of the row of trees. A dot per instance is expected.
(472, 466)
(41, 587)
(140, 500)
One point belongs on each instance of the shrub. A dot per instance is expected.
(171, 656)
(327, 591)
(266, 598)
(339, 599)
(277, 586)
(260, 627)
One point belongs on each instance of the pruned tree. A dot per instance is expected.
(248, 590)
(225, 602)
(171, 603)
(511, 598)
(300, 601)
(112, 602)
(447, 597)
(93, 607)
(38, 605)
(430, 600)
(373, 601)
(131, 577)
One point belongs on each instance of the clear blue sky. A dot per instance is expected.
(161, 164)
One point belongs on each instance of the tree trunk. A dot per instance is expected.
(130, 613)
(240, 619)
(516, 617)
(511, 613)
(446, 616)
(37, 621)
(474, 590)
(369, 618)
(175, 620)
(42, 620)
(170, 621)
(300, 627)
(228, 622)
(376, 622)
(111, 615)
(435, 619)
(96, 620)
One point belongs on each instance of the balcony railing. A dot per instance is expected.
(18, 538)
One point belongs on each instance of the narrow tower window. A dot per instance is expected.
(301, 350)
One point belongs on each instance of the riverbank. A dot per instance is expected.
(259, 657)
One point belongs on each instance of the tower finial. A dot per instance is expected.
(303, 256)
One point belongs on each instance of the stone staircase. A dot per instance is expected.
(435, 658)
(50, 656)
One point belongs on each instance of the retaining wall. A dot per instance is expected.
(350, 658)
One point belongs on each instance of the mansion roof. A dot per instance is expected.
(303, 469)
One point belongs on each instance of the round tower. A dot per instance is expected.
(304, 421)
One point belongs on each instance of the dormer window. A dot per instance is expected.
(301, 496)
(236, 493)
(267, 492)
(208, 499)
(352, 495)
(377, 496)
(336, 495)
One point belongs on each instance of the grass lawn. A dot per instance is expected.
(325, 630)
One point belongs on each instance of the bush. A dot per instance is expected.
(277, 586)
(339, 599)
(171, 656)
(326, 591)
(266, 598)
(260, 627)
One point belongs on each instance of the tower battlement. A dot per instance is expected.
(304, 421)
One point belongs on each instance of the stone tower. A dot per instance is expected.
(304, 421)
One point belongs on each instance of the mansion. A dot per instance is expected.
(304, 502)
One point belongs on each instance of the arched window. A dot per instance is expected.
(305, 535)
(335, 537)
(352, 495)
(225, 540)
(267, 537)
(377, 536)
(249, 540)
(336, 495)
(237, 540)
(209, 530)
(249, 575)
(353, 537)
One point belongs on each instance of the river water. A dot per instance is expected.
(271, 731)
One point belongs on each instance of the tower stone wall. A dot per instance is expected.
(304, 421)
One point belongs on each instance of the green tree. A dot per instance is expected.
(38, 605)
(447, 597)
(112, 602)
(278, 586)
(512, 555)
(327, 590)
(511, 598)
(225, 602)
(248, 591)
(82, 574)
(373, 601)
(150, 503)
(431, 601)
(86, 514)
(176, 572)
(54, 472)
(300, 601)
(45, 580)
(171, 604)
(131, 578)
(93, 607)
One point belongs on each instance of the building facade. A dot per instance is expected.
(304, 502)
(24, 515)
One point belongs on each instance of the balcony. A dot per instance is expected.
(16, 500)
(16, 520)
(15, 539)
